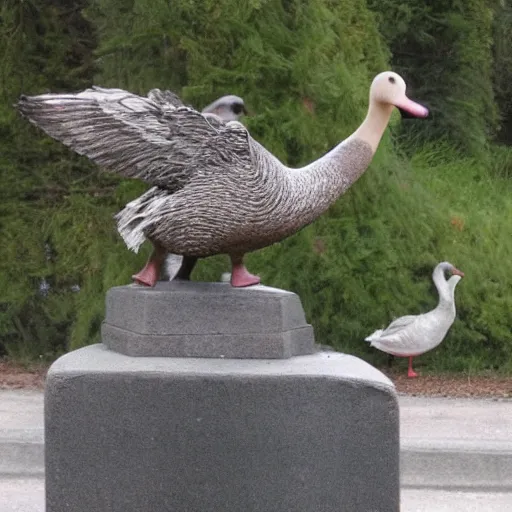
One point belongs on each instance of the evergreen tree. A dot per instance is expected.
(503, 69)
(304, 69)
(444, 50)
(44, 45)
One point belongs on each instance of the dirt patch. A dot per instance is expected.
(459, 386)
(22, 376)
(32, 376)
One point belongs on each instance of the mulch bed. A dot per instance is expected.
(459, 386)
(20, 376)
(32, 376)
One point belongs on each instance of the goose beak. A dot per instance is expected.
(409, 108)
(457, 272)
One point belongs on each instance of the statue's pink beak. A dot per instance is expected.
(411, 107)
(457, 272)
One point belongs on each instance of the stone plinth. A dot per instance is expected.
(312, 433)
(192, 319)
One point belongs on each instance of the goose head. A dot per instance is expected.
(228, 108)
(388, 90)
(447, 267)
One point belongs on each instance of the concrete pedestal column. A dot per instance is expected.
(312, 432)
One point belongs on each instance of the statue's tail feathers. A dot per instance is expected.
(225, 277)
(171, 266)
(131, 228)
(139, 215)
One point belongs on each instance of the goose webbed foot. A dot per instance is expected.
(410, 372)
(240, 276)
(149, 275)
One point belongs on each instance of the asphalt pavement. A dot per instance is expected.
(456, 454)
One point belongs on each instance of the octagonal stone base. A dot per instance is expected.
(195, 319)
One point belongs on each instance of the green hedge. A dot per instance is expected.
(304, 69)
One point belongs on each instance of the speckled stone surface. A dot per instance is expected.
(194, 319)
(129, 434)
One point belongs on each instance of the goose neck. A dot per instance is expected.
(446, 296)
(372, 128)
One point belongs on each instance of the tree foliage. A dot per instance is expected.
(444, 50)
(304, 70)
(503, 68)
(44, 45)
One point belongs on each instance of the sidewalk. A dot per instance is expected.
(456, 454)
(456, 443)
(445, 443)
(21, 433)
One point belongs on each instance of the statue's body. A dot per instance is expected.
(215, 189)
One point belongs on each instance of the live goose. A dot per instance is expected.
(412, 335)
(215, 189)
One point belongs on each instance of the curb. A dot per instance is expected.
(443, 465)
(457, 465)
(21, 453)
(444, 444)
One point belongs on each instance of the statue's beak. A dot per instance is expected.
(409, 108)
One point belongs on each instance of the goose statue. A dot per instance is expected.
(215, 190)
(412, 335)
(228, 108)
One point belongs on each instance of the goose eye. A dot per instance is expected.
(392, 79)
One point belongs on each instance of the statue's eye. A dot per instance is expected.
(237, 108)
(392, 79)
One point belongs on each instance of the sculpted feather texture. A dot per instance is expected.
(256, 207)
(215, 189)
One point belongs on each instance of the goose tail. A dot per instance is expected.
(374, 336)
(225, 277)
(139, 216)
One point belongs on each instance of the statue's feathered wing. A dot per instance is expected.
(154, 138)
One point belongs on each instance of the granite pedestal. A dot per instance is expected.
(316, 432)
(184, 319)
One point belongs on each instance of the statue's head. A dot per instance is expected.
(388, 88)
(228, 108)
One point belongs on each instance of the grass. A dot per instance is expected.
(366, 261)
(370, 259)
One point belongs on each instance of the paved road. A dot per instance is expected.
(27, 495)
(456, 454)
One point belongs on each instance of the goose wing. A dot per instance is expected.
(398, 324)
(165, 99)
(153, 139)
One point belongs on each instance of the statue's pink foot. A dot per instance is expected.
(149, 275)
(240, 277)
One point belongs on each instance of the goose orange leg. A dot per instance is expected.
(240, 276)
(149, 275)
(410, 372)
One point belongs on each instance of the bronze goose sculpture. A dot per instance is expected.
(228, 108)
(215, 189)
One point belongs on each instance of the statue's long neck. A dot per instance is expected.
(321, 183)
(373, 127)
